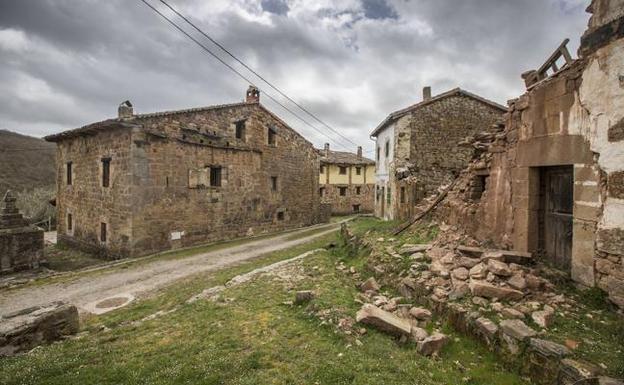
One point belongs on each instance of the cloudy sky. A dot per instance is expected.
(66, 63)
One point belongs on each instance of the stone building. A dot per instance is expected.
(21, 244)
(417, 148)
(143, 183)
(347, 181)
(554, 178)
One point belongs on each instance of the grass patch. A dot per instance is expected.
(253, 339)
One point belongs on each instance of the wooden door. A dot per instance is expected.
(558, 198)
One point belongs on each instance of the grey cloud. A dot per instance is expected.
(351, 63)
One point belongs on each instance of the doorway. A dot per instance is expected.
(555, 223)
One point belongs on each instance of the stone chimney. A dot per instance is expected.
(253, 95)
(125, 110)
(326, 152)
(359, 153)
(426, 93)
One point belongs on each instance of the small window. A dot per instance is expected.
(343, 191)
(388, 195)
(402, 193)
(70, 222)
(358, 171)
(215, 176)
(280, 215)
(322, 169)
(274, 183)
(103, 233)
(387, 152)
(342, 170)
(356, 208)
(240, 130)
(69, 173)
(378, 152)
(271, 136)
(322, 191)
(358, 190)
(106, 172)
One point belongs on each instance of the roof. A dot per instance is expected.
(455, 91)
(343, 157)
(135, 120)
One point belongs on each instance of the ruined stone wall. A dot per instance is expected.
(88, 202)
(168, 214)
(572, 118)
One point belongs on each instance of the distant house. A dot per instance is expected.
(346, 181)
(142, 183)
(417, 148)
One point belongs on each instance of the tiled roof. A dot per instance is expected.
(455, 91)
(343, 157)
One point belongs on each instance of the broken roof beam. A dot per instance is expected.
(533, 76)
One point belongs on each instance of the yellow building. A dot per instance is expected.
(346, 181)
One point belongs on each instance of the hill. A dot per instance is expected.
(25, 162)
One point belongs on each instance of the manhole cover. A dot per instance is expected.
(112, 302)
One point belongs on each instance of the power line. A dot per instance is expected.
(235, 71)
(256, 73)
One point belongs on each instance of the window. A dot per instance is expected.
(322, 191)
(387, 152)
(240, 129)
(478, 186)
(280, 215)
(215, 176)
(388, 195)
(103, 233)
(343, 191)
(106, 172)
(378, 152)
(69, 173)
(342, 170)
(358, 171)
(402, 194)
(274, 183)
(322, 169)
(70, 222)
(271, 136)
(356, 208)
(358, 190)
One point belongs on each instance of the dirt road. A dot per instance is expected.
(137, 280)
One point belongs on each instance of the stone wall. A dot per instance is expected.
(571, 118)
(160, 195)
(342, 205)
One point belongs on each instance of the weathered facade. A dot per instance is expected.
(346, 181)
(143, 183)
(21, 244)
(418, 148)
(554, 179)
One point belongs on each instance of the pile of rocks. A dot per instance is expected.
(400, 320)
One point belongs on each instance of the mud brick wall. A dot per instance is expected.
(344, 204)
(437, 128)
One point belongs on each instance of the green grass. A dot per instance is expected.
(253, 339)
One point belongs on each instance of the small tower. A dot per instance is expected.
(253, 95)
(125, 110)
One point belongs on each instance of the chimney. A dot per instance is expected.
(326, 150)
(125, 110)
(359, 153)
(426, 93)
(253, 95)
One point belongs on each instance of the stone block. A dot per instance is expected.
(383, 320)
(487, 290)
(517, 329)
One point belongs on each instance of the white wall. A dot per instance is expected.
(384, 167)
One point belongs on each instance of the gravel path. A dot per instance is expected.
(136, 281)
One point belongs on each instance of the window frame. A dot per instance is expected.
(274, 183)
(358, 170)
(69, 173)
(387, 148)
(103, 232)
(342, 189)
(70, 223)
(341, 169)
(358, 190)
(106, 172)
(271, 136)
(240, 129)
(216, 176)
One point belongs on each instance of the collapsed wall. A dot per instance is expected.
(553, 182)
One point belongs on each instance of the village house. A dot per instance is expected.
(143, 183)
(554, 179)
(346, 181)
(418, 147)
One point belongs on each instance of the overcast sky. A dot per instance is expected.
(66, 63)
